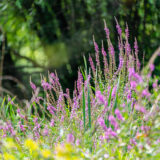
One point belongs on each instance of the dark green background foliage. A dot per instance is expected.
(42, 35)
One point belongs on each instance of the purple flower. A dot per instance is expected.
(152, 67)
(62, 118)
(51, 109)
(33, 86)
(113, 121)
(97, 52)
(19, 113)
(114, 91)
(136, 46)
(54, 78)
(101, 138)
(158, 140)
(45, 131)
(118, 114)
(145, 128)
(129, 95)
(123, 105)
(52, 123)
(35, 120)
(103, 52)
(46, 85)
(110, 133)
(128, 48)
(145, 93)
(8, 127)
(100, 97)
(133, 141)
(92, 64)
(119, 30)
(140, 108)
(36, 128)
(133, 84)
(79, 81)
(143, 110)
(106, 156)
(129, 147)
(133, 74)
(70, 138)
(60, 100)
(154, 85)
(77, 142)
(10, 101)
(111, 50)
(120, 62)
(102, 123)
(37, 99)
(21, 126)
(106, 30)
(104, 59)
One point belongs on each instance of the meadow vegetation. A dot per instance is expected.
(113, 112)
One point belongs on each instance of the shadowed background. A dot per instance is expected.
(37, 36)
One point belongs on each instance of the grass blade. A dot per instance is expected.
(89, 105)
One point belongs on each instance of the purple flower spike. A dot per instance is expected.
(154, 85)
(52, 123)
(46, 85)
(136, 46)
(106, 30)
(102, 123)
(97, 52)
(110, 134)
(120, 63)
(112, 50)
(100, 97)
(114, 91)
(70, 138)
(21, 126)
(140, 108)
(103, 52)
(119, 30)
(77, 142)
(128, 48)
(10, 101)
(133, 84)
(45, 131)
(33, 86)
(51, 109)
(152, 67)
(92, 64)
(113, 121)
(133, 141)
(118, 114)
(145, 93)
(129, 147)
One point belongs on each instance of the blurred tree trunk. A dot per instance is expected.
(2, 58)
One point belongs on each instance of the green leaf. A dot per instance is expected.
(89, 105)
(110, 96)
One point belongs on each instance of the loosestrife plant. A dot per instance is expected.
(112, 113)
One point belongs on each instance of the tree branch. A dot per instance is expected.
(35, 64)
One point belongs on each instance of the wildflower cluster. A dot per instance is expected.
(112, 114)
